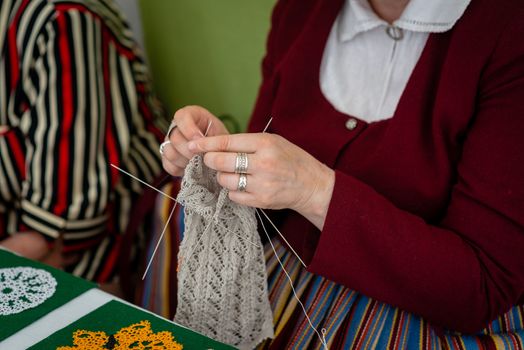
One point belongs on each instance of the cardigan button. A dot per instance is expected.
(351, 124)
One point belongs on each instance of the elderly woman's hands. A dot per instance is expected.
(191, 123)
(279, 174)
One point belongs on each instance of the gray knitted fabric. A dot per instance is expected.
(222, 284)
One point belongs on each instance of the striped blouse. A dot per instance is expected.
(74, 99)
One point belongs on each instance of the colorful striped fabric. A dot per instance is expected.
(350, 319)
(75, 97)
(158, 292)
(354, 321)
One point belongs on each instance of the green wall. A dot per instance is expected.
(207, 52)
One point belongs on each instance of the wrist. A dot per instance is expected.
(316, 206)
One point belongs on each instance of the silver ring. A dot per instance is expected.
(242, 183)
(172, 127)
(162, 145)
(241, 163)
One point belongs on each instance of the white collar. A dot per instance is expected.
(433, 16)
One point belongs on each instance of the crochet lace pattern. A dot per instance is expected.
(23, 288)
(138, 336)
(222, 282)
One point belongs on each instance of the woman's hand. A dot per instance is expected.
(30, 244)
(279, 174)
(191, 123)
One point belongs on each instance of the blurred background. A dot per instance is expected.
(204, 52)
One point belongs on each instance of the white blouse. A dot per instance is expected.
(367, 62)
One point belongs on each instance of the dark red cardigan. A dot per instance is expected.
(428, 207)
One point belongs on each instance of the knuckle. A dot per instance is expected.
(224, 143)
(180, 150)
(266, 140)
(181, 114)
(170, 153)
(277, 138)
(174, 156)
(267, 163)
(185, 118)
(172, 136)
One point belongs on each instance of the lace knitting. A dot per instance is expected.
(222, 282)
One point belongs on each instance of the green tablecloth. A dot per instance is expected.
(75, 305)
(67, 287)
(113, 316)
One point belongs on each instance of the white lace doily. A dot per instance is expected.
(23, 288)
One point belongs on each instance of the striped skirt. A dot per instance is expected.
(354, 321)
(350, 320)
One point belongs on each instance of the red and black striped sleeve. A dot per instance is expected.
(86, 105)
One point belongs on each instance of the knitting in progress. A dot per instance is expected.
(222, 282)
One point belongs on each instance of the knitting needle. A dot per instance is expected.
(323, 330)
(321, 336)
(271, 222)
(267, 125)
(282, 236)
(142, 182)
(159, 240)
(208, 126)
(168, 220)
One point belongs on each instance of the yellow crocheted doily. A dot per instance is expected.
(138, 336)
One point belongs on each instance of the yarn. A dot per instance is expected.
(222, 281)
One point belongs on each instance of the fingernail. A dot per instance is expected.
(192, 146)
